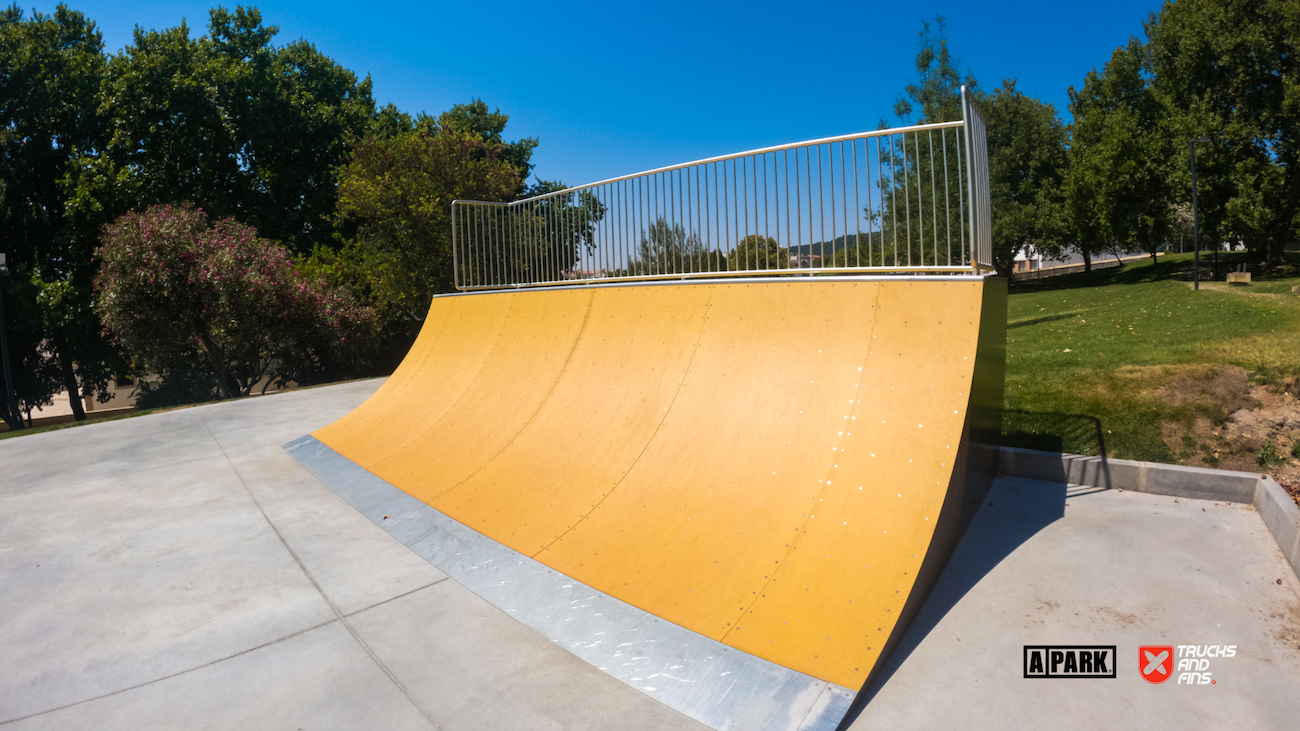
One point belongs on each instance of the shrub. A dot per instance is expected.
(181, 294)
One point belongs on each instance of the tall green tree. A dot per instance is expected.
(236, 124)
(934, 95)
(1231, 71)
(51, 71)
(1117, 186)
(1026, 141)
(1026, 144)
(395, 193)
(475, 118)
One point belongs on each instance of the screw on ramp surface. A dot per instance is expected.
(762, 463)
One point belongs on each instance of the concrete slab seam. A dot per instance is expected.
(173, 675)
(333, 608)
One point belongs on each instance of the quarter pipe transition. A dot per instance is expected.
(777, 465)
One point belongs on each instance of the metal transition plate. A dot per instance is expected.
(706, 680)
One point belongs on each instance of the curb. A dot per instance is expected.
(1276, 508)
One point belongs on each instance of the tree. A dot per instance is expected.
(561, 228)
(396, 193)
(475, 118)
(667, 248)
(756, 251)
(935, 93)
(1231, 71)
(51, 69)
(235, 124)
(1026, 157)
(181, 294)
(1117, 189)
(1026, 141)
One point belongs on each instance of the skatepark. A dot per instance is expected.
(734, 499)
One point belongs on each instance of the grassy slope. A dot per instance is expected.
(1088, 354)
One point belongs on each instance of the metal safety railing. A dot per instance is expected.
(906, 200)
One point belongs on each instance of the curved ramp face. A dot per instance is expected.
(764, 463)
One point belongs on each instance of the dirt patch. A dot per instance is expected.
(1236, 423)
(1286, 625)
(1227, 388)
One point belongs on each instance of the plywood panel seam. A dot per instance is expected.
(586, 317)
(487, 356)
(696, 349)
(748, 607)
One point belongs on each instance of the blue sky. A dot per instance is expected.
(613, 88)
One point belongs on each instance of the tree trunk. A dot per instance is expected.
(70, 384)
(219, 368)
(1087, 260)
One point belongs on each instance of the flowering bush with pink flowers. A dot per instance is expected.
(181, 293)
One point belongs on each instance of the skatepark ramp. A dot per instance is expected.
(727, 486)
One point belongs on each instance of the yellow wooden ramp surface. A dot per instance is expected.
(762, 463)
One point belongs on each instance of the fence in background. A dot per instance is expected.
(913, 199)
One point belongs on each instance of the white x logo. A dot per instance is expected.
(1155, 662)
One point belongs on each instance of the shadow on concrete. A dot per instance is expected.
(1014, 510)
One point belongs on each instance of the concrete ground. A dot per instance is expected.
(178, 570)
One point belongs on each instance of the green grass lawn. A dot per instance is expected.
(1112, 360)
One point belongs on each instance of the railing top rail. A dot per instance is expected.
(731, 156)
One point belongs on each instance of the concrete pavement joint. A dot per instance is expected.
(173, 675)
(395, 598)
(342, 619)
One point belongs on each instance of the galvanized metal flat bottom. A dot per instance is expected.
(702, 678)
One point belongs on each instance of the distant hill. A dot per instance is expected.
(828, 248)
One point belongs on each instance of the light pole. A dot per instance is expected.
(1196, 219)
(4, 346)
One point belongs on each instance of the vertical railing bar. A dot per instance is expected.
(700, 255)
(732, 207)
(920, 200)
(857, 209)
(907, 195)
(503, 234)
(544, 253)
(844, 199)
(684, 190)
(565, 248)
(830, 164)
(761, 204)
(947, 197)
(474, 263)
(821, 206)
(934, 197)
(744, 196)
(485, 247)
(659, 265)
(893, 192)
(785, 172)
(807, 161)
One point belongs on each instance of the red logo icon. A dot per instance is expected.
(1156, 662)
